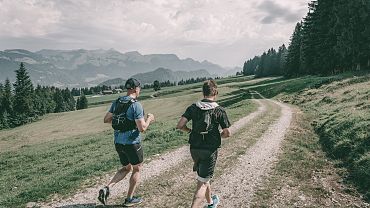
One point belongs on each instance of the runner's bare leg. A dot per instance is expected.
(121, 174)
(134, 180)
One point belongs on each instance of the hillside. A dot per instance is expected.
(113, 82)
(300, 175)
(338, 107)
(162, 75)
(76, 68)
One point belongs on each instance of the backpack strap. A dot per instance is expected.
(122, 107)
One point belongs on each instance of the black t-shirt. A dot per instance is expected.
(212, 140)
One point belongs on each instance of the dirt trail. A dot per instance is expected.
(88, 197)
(236, 187)
(175, 187)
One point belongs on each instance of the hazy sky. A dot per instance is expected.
(225, 32)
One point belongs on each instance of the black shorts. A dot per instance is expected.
(204, 162)
(130, 153)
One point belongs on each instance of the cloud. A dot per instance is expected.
(222, 31)
(275, 12)
(27, 18)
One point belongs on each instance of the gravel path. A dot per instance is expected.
(88, 197)
(236, 187)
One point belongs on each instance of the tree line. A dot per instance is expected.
(156, 85)
(91, 90)
(334, 37)
(194, 80)
(21, 103)
(269, 63)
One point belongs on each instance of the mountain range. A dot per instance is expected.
(81, 68)
(162, 75)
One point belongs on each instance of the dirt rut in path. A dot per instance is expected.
(158, 165)
(237, 186)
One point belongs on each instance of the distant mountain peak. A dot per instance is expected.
(19, 51)
(162, 69)
(162, 74)
(136, 53)
(81, 67)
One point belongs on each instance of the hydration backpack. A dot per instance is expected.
(203, 122)
(120, 121)
(204, 118)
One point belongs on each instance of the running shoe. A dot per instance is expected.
(215, 200)
(103, 195)
(133, 201)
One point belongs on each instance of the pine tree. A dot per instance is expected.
(366, 34)
(1, 96)
(83, 102)
(294, 52)
(60, 105)
(309, 42)
(245, 68)
(7, 101)
(259, 70)
(359, 12)
(282, 54)
(39, 101)
(333, 37)
(78, 104)
(1, 106)
(7, 105)
(326, 59)
(69, 100)
(156, 85)
(23, 97)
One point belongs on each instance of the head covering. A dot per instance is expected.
(132, 83)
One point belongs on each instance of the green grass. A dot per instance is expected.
(59, 165)
(340, 105)
(103, 99)
(167, 91)
(300, 160)
(34, 172)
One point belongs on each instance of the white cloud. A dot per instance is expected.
(202, 29)
(27, 18)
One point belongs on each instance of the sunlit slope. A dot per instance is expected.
(90, 121)
(61, 151)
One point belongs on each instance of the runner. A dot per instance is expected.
(127, 118)
(205, 139)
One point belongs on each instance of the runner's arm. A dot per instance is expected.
(182, 125)
(143, 125)
(108, 117)
(225, 124)
(225, 133)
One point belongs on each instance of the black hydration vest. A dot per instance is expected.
(120, 121)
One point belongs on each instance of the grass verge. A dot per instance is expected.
(340, 106)
(304, 177)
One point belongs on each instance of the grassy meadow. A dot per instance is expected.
(62, 151)
(339, 107)
(59, 153)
